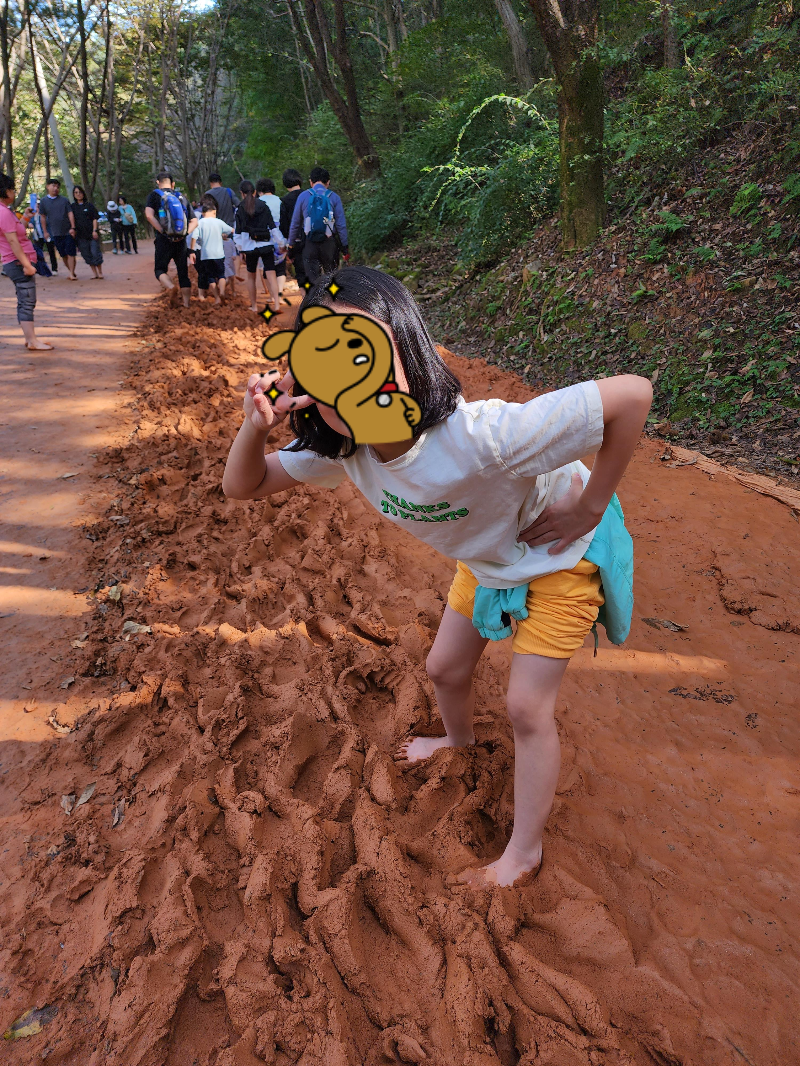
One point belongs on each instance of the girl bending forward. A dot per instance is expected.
(498, 486)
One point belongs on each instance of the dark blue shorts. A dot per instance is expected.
(209, 270)
(66, 245)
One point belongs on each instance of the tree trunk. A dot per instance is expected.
(671, 61)
(317, 44)
(519, 44)
(101, 106)
(84, 87)
(569, 28)
(8, 40)
(49, 116)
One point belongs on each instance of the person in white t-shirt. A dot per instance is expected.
(497, 486)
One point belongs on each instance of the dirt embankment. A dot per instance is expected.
(252, 880)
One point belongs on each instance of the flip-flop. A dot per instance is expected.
(45, 348)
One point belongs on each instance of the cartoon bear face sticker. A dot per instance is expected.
(347, 362)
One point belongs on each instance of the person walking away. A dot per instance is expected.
(87, 234)
(208, 237)
(167, 215)
(293, 181)
(265, 187)
(38, 237)
(19, 263)
(319, 215)
(253, 223)
(227, 203)
(129, 221)
(58, 223)
(538, 536)
(114, 216)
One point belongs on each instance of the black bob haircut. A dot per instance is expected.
(430, 380)
(6, 183)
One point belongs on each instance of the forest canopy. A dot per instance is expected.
(428, 113)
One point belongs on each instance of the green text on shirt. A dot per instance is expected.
(421, 512)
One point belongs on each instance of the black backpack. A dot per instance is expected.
(259, 224)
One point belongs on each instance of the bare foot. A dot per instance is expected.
(417, 749)
(508, 869)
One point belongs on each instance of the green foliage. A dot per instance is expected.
(491, 172)
(667, 117)
(668, 224)
(792, 188)
(746, 201)
(498, 189)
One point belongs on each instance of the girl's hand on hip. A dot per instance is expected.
(563, 521)
(262, 413)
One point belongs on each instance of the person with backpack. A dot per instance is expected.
(292, 182)
(254, 225)
(128, 219)
(319, 216)
(227, 203)
(265, 188)
(167, 213)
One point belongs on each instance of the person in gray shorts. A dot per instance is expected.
(19, 263)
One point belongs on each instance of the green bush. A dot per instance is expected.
(500, 188)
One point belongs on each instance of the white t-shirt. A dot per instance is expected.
(208, 237)
(274, 204)
(470, 484)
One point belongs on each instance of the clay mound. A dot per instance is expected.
(252, 880)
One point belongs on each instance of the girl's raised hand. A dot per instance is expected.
(260, 411)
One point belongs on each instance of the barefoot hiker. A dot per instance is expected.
(165, 210)
(19, 264)
(208, 237)
(499, 487)
(254, 225)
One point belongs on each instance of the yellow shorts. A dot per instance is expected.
(562, 608)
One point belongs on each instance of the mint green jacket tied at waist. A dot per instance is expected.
(611, 551)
